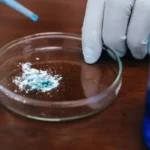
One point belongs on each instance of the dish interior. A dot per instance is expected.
(78, 79)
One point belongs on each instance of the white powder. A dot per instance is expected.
(33, 79)
(37, 58)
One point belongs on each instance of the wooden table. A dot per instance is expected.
(117, 128)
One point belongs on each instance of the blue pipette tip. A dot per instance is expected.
(20, 8)
(34, 17)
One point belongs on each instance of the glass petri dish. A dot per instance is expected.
(83, 90)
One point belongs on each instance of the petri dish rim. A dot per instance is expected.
(71, 103)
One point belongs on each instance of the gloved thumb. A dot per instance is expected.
(92, 31)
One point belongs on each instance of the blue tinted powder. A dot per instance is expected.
(33, 79)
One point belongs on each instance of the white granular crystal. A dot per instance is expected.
(37, 58)
(33, 79)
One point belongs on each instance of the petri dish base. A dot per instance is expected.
(83, 90)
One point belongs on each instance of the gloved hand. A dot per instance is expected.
(118, 24)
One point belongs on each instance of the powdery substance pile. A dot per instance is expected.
(33, 79)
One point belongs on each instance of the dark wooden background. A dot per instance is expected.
(117, 128)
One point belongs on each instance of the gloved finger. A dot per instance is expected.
(139, 29)
(92, 31)
(116, 17)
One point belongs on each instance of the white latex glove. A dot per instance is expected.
(118, 24)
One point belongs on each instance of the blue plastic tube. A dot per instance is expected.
(20, 8)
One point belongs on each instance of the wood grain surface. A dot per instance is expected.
(117, 128)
